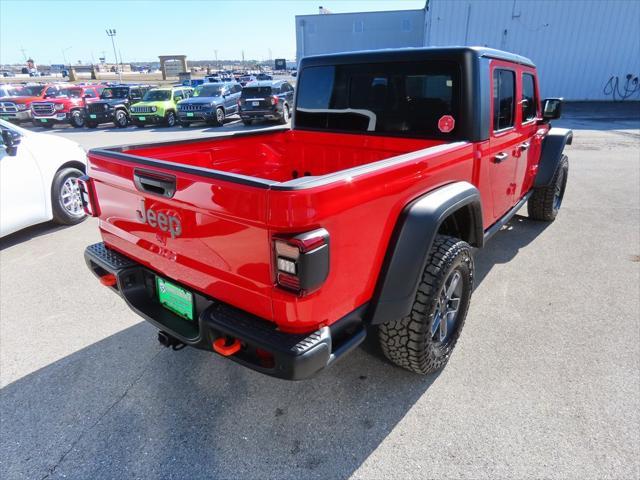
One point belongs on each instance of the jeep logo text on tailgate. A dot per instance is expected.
(166, 223)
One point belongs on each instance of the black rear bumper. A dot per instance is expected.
(263, 347)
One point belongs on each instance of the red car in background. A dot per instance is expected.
(18, 108)
(66, 107)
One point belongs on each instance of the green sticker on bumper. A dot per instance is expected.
(175, 298)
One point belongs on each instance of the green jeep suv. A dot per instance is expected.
(159, 106)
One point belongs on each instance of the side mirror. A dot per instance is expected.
(551, 108)
(11, 141)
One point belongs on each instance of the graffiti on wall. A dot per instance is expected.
(622, 89)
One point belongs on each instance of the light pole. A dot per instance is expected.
(111, 32)
(64, 54)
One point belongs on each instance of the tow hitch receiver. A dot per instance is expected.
(225, 347)
(108, 280)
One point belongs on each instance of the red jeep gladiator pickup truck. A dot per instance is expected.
(283, 249)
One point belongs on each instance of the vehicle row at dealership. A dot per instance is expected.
(89, 105)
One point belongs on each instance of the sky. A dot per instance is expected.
(146, 29)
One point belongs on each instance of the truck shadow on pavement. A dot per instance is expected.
(125, 407)
(505, 245)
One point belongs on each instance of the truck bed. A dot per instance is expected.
(281, 156)
(234, 194)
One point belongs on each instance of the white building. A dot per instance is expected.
(584, 50)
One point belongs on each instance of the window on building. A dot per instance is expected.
(529, 101)
(358, 26)
(504, 87)
(399, 98)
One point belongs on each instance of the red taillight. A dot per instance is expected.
(274, 100)
(87, 196)
(302, 261)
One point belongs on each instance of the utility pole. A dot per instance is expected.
(64, 55)
(111, 32)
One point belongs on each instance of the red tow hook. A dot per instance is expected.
(226, 349)
(108, 280)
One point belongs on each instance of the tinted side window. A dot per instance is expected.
(236, 89)
(504, 87)
(89, 93)
(529, 101)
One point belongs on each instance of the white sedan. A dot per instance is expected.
(38, 179)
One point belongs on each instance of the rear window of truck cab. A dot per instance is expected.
(396, 98)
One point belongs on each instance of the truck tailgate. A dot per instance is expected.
(208, 234)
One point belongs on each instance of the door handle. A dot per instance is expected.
(524, 146)
(500, 157)
(155, 183)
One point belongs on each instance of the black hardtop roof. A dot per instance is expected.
(415, 53)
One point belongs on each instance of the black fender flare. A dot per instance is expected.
(551, 154)
(410, 244)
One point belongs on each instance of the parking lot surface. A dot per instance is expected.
(544, 382)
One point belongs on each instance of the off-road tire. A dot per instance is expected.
(120, 119)
(408, 342)
(76, 119)
(60, 214)
(545, 202)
